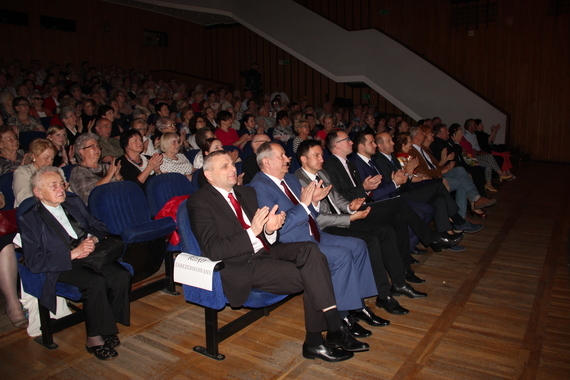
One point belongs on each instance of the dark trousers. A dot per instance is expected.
(291, 268)
(398, 213)
(435, 194)
(382, 249)
(105, 296)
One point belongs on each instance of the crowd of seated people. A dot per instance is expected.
(114, 125)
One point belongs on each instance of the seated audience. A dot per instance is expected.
(23, 121)
(37, 108)
(250, 167)
(57, 135)
(10, 155)
(110, 147)
(226, 134)
(90, 171)
(135, 166)
(42, 152)
(172, 160)
(69, 119)
(487, 143)
(106, 292)
(283, 130)
(302, 129)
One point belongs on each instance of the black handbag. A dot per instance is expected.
(107, 250)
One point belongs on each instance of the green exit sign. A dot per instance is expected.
(284, 61)
(384, 11)
(366, 96)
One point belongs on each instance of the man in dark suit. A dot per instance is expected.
(340, 217)
(352, 276)
(249, 166)
(229, 226)
(346, 180)
(56, 233)
(429, 191)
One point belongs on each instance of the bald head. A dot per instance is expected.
(385, 143)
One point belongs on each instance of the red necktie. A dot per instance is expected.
(239, 212)
(312, 224)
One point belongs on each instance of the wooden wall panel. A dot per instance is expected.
(521, 62)
(122, 45)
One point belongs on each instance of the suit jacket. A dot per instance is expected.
(328, 217)
(221, 237)
(387, 167)
(341, 180)
(423, 166)
(296, 226)
(386, 187)
(44, 251)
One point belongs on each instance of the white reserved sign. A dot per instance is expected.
(194, 270)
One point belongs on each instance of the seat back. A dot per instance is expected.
(27, 137)
(67, 171)
(120, 205)
(6, 189)
(191, 155)
(160, 189)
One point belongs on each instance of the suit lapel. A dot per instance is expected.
(223, 205)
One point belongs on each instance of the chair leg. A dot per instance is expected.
(46, 339)
(169, 271)
(212, 336)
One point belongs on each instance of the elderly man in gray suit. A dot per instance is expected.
(340, 217)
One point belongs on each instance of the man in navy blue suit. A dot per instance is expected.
(348, 257)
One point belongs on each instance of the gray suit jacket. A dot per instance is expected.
(327, 217)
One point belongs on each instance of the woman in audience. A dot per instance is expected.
(57, 135)
(124, 107)
(135, 166)
(486, 142)
(226, 134)
(23, 120)
(43, 152)
(88, 113)
(6, 107)
(69, 120)
(10, 155)
(201, 136)
(105, 292)
(329, 122)
(283, 130)
(195, 124)
(37, 108)
(173, 161)
(302, 129)
(91, 172)
(144, 103)
(249, 126)
(210, 117)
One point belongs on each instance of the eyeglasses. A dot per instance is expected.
(345, 139)
(96, 146)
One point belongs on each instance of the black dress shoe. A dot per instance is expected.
(391, 305)
(369, 317)
(407, 290)
(419, 251)
(355, 329)
(112, 340)
(324, 352)
(343, 338)
(411, 277)
(414, 261)
(446, 241)
(102, 352)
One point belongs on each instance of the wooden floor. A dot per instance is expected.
(500, 310)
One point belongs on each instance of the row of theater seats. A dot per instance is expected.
(127, 211)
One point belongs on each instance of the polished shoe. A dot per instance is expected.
(21, 323)
(446, 241)
(355, 329)
(483, 202)
(112, 340)
(102, 352)
(343, 338)
(391, 306)
(468, 227)
(326, 353)
(407, 290)
(419, 251)
(456, 248)
(369, 317)
(414, 261)
(411, 277)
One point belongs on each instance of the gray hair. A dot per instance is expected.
(81, 141)
(65, 112)
(162, 122)
(37, 176)
(265, 150)
(414, 132)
